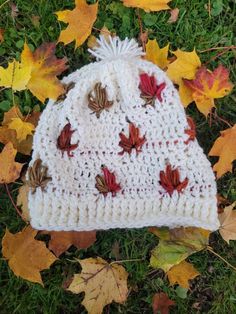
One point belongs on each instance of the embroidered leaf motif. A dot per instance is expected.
(150, 90)
(107, 182)
(228, 223)
(134, 141)
(101, 282)
(22, 128)
(170, 180)
(26, 256)
(191, 132)
(181, 274)
(225, 148)
(161, 303)
(9, 170)
(148, 5)
(64, 141)
(209, 85)
(37, 175)
(80, 22)
(98, 100)
(157, 55)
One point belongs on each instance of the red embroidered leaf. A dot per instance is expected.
(134, 141)
(191, 132)
(64, 140)
(149, 88)
(107, 182)
(170, 180)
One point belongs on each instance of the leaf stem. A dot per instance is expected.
(210, 249)
(217, 48)
(4, 3)
(13, 203)
(128, 260)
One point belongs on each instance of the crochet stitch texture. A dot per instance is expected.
(119, 151)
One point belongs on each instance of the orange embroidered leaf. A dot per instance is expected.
(157, 55)
(161, 303)
(9, 170)
(61, 240)
(228, 223)
(80, 22)
(101, 282)
(182, 273)
(225, 148)
(148, 5)
(209, 85)
(26, 256)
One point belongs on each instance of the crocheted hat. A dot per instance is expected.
(118, 151)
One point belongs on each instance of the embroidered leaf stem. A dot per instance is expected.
(170, 180)
(107, 182)
(64, 141)
(134, 141)
(98, 100)
(149, 89)
(38, 176)
(191, 132)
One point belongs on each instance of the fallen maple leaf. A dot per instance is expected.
(182, 273)
(22, 200)
(208, 85)
(228, 223)
(157, 55)
(61, 240)
(1, 35)
(101, 282)
(37, 72)
(8, 135)
(161, 303)
(22, 128)
(225, 148)
(173, 15)
(80, 22)
(9, 170)
(148, 5)
(175, 245)
(26, 256)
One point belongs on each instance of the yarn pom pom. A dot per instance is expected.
(113, 48)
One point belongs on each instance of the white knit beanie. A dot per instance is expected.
(118, 151)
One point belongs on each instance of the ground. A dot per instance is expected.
(215, 290)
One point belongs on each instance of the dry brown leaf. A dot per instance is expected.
(22, 200)
(225, 148)
(181, 274)
(161, 303)
(101, 282)
(228, 223)
(61, 240)
(174, 14)
(80, 22)
(26, 256)
(9, 170)
(148, 5)
(1, 35)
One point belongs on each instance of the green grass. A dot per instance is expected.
(194, 28)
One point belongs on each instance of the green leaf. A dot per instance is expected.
(5, 105)
(149, 19)
(181, 292)
(217, 7)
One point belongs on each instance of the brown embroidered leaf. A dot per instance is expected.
(61, 240)
(38, 176)
(98, 100)
(9, 170)
(26, 256)
(161, 303)
(101, 282)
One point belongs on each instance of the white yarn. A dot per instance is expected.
(71, 201)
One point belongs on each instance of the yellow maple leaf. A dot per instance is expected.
(26, 256)
(157, 55)
(228, 223)
(101, 282)
(80, 22)
(181, 274)
(225, 148)
(9, 170)
(22, 128)
(209, 85)
(148, 5)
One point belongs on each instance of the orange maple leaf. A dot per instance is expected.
(80, 22)
(225, 148)
(209, 85)
(148, 5)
